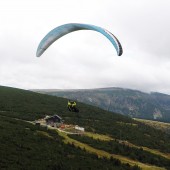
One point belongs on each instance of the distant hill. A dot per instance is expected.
(112, 140)
(136, 104)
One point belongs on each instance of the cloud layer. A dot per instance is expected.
(86, 59)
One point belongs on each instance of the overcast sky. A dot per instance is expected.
(86, 59)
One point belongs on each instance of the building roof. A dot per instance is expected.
(53, 117)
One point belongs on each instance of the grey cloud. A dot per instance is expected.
(86, 59)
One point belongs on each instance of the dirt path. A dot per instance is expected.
(102, 153)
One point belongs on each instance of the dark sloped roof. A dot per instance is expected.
(54, 117)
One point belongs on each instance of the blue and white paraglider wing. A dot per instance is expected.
(62, 30)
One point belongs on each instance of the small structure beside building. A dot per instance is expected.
(54, 121)
(79, 128)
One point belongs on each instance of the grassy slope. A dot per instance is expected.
(30, 106)
(156, 124)
(108, 138)
(67, 140)
(102, 153)
(26, 146)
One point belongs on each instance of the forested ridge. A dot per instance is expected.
(133, 103)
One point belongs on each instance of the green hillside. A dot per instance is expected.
(26, 145)
(154, 106)
(156, 124)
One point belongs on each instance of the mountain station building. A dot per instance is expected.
(54, 121)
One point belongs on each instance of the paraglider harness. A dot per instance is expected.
(72, 106)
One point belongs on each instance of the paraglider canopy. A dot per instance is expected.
(62, 30)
